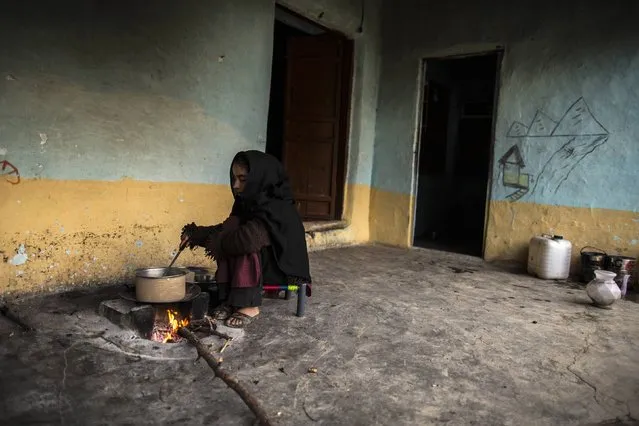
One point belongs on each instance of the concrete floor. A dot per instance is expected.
(398, 337)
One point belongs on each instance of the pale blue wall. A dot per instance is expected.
(597, 163)
(161, 91)
(555, 54)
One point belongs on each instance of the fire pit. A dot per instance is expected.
(157, 322)
(160, 322)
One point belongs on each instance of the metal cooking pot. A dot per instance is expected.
(591, 261)
(620, 264)
(160, 285)
(198, 274)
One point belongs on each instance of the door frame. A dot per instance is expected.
(491, 163)
(346, 103)
(417, 147)
(422, 79)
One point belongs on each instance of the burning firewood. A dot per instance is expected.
(165, 329)
(227, 378)
(207, 325)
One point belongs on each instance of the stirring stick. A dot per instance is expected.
(182, 247)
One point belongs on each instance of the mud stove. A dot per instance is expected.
(159, 322)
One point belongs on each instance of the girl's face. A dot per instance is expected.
(240, 173)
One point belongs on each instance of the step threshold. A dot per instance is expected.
(324, 225)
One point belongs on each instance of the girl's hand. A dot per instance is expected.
(187, 234)
(184, 240)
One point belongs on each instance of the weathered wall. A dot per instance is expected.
(124, 89)
(122, 118)
(568, 78)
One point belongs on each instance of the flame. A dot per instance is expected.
(174, 323)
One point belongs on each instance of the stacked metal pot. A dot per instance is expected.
(593, 259)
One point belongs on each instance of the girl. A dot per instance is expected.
(262, 241)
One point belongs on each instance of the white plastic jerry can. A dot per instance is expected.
(549, 257)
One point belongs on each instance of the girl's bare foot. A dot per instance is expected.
(245, 317)
(250, 311)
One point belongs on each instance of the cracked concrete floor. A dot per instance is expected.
(398, 337)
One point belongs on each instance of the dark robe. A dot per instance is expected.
(263, 221)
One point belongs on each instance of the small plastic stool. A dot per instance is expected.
(303, 292)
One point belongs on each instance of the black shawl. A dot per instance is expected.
(267, 196)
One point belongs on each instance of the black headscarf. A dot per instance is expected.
(267, 196)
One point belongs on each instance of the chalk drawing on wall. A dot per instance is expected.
(9, 172)
(511, 164)
(572, 138)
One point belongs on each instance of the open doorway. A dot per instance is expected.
(309, 112)
(455, 152)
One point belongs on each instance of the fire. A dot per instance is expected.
(166, 330)
(175, 324)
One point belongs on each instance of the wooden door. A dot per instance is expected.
(314, 121)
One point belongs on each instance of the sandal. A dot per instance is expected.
(222, 312)
(241, 320)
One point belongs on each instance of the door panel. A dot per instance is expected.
(312, 120)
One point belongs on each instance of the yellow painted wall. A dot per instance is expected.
(511, 225)
(356, 211)
(391, 217)
(82, 232)
(85, 232)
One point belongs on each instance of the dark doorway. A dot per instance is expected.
(275, 129)
(308, 112)
(455, 152)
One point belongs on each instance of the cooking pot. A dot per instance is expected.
(198, 274)
(160, 285)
